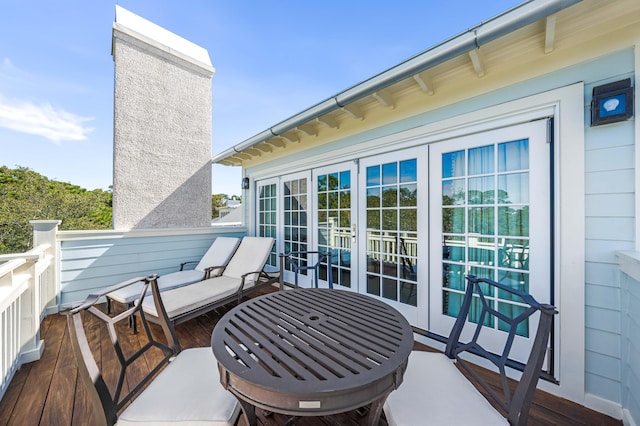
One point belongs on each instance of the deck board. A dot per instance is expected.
(49, 391)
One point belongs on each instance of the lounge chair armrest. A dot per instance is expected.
(92, 298)
(187, 263)
(208, 271)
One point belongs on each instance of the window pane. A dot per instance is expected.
(408, 195)
(373, 175)
(481, 160)
(389, 173)
(345, 180)
(453, 220)
(514, 221)
(453, 248)
(408, 220)
(453, 192)
(513, 188)
(332, 182)
(408, 171)
(389, 196)
(453, 276)
(482, 251)
(513, 155)
(453, 164)
(322, 183)
(373, 197)
(481, 190)
(481, 220)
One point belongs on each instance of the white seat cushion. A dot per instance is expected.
(187, 390)
(219, 253)
(188, 298)
(435, 392)
(166, 282)
(250, 256)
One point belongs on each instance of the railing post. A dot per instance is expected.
(37, 296)
(44, 232)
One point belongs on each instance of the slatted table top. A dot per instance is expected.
(312, 351)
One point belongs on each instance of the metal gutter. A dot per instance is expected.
(485, 32)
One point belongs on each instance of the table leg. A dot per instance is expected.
(375, 410)
(249, 412)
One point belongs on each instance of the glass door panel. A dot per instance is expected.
(267, 220)
(491, 208)
(389, 240)
(335, 222)
(295, 221)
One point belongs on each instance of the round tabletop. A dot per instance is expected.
(313, 351)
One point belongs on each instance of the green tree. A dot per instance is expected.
(217, 201)
(26, 195)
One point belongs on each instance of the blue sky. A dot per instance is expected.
(272, 59)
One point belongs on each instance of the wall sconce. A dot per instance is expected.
(612, 102)
(245, 183)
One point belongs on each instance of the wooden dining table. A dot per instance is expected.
(312, 352)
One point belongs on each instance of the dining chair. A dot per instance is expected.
(182, 387)
(299, 261)
(435, 390)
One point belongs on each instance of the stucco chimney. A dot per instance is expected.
(162, 127)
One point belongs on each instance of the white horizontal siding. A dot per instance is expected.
(90, 264)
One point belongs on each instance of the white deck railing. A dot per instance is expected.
(27, 288)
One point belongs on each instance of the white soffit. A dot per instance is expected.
(173, 42)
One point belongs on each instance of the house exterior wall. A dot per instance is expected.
(91, 260)
(162, 134)
(608, 199)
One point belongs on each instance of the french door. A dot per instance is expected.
(335, 220)
(490, 216)
(392, 258)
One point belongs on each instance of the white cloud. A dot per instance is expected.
(43, 120)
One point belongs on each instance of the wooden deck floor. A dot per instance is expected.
(47, 392)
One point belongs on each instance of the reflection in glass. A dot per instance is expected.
(481, 220)
(481, 160)
(345, 180)
(389, 196)
(453, 220)
(453, 276)
(389, 288)
(408, 171)
(453, 192)
(373, 285)
(373, 197)
(373, 175)
(513, 188)
(513, 156)
(408, 220)
(408, 195)
(481, 190)
(514, 221)
(389, 173)
(482, 251)
(453, 164)
(453, 248)
(390, 219)
(409, 293)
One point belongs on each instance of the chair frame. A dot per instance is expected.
(107, 405)
(297, 268)
(518, 402)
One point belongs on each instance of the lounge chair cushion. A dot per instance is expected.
(435, 392)
(189, 390)
(165, 282)
(186, 299)
(250, 256)
(219, 253)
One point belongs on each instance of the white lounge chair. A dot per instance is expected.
(244, 273)
(211, 264)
